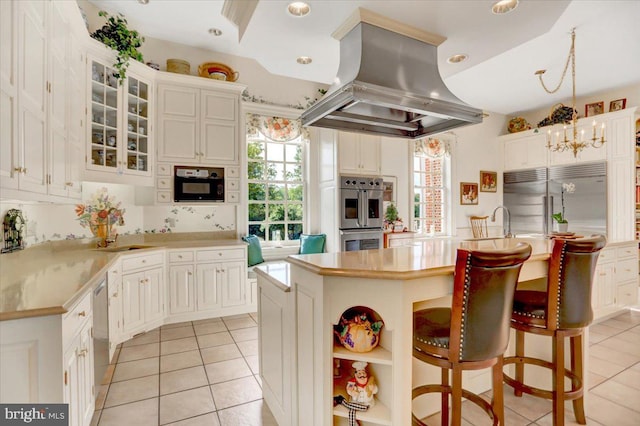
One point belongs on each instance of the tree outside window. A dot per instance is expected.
(275, 187)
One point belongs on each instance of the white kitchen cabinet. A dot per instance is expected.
(142, 292)
(207, 282)
(616, 279)
(79, 378)
(37, 99)
(114, 282)
(198, 121)
(120, 138)
(526, 152)
(603, 294)
(359, 154)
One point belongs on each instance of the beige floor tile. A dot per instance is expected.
(175, 325)
(258, 379)
(604, 412)
(629, 317)
(152, 336)
(210, 327)
(619, 393)
(629, 377)
(215, 339)
(186, 404)
(116, 355)
(527, 406)
(243, 334)
(96, 418)
(615, 323)
(254, 413)
(176, 333)
(254, 315)
(132, 390)
(234, 317)
(634, 330)
(240, 323)
(601, 328)
(108, 374)
(594, 379)
(180, 360)
(143, 413)
(209, 419)
(227, 370)
(235, 392)
(435, 420)
(254, 363)
(635, 367)
(248, 347)
(603, 368)
(621, 345)
(133, 353)
(178, 345)
(220, 353)
(207, 320)
(569, 420)
(630, 336)
(475, 415)
(613, 356)
(134, 369)
(180, 380)
(596, 338)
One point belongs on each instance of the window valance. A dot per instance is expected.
(434, 147)
(279, 129)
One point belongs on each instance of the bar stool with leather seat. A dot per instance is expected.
(474, 333)
(562, 311)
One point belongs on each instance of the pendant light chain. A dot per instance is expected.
(571, 58)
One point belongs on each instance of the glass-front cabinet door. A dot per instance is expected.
(104, 117)
(137, 125)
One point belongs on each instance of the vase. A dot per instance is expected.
(103, 232)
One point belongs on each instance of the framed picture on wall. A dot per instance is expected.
(488, 181)
(617, 105)
(593, 109)
(468, 193)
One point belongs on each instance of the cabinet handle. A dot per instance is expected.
(82, 314)
(20, 169)
(66, 377)
(69, 183)
(115, 294)
(179, 256)
(144, 261)
(219, 254)
(189, 273)
(602, 274)
(83, 352)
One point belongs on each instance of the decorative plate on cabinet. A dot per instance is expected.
(217, 71)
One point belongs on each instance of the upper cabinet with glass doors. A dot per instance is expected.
(121, 131)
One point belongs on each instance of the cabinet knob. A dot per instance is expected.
(189, 273)
(83, 352)
(179, 256)
(144, 260)
(115, 294)
(82, 314)
(68, 183)
(219, 254)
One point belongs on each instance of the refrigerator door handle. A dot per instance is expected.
(548, 214)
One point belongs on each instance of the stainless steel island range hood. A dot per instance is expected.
(388, 84)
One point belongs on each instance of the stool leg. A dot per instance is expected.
(497, 402)
(578, 369)
(519, 366)
(444, 402)
(456, 396)
(558, 378)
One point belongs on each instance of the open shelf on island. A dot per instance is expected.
(378, 355)
(378, 414)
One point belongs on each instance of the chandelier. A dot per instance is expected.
(574, 144)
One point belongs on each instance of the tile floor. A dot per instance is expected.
(206, 373)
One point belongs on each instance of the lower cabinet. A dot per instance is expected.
(616, 279)
(114, 284)
(142, 292)
(207, 282)
(49, 360)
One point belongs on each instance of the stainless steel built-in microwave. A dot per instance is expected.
(203, 184)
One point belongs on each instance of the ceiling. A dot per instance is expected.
(504, 50)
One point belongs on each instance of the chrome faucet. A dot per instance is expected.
(508, 228)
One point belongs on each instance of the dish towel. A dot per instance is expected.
(353, 408)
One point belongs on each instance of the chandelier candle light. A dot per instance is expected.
(559, 145)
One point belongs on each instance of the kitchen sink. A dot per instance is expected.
(126, 248)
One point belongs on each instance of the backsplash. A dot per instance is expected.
(53, 222)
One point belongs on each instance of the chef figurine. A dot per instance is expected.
(362, 387)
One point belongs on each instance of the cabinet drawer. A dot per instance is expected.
(164, 169)
(606, 255)
(626, 270)
(163, 196)
(627, 294)
(163, 183)
(131, 263)
(233, 197)
(73, 320)
(624, 252)
(223, 254)
(233, 172)
(180, 256)
(233, 184)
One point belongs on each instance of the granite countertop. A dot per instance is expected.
(49, 278)
(424, 258)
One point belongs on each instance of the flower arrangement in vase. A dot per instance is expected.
(100, 215)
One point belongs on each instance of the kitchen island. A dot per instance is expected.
(299, 302)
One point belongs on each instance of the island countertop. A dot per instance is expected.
(424, 258)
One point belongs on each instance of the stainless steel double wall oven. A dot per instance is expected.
(361, 215)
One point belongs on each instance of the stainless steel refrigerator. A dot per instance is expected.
(534, 195)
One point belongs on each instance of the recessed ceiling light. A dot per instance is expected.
(215, 32)
(455, 59)
(143, 1)
(298, 8)
(304, 60)
(504, 6)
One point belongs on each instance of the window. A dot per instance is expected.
(275, 176)
(431, 189)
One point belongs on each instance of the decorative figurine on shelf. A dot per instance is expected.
(362, 387)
